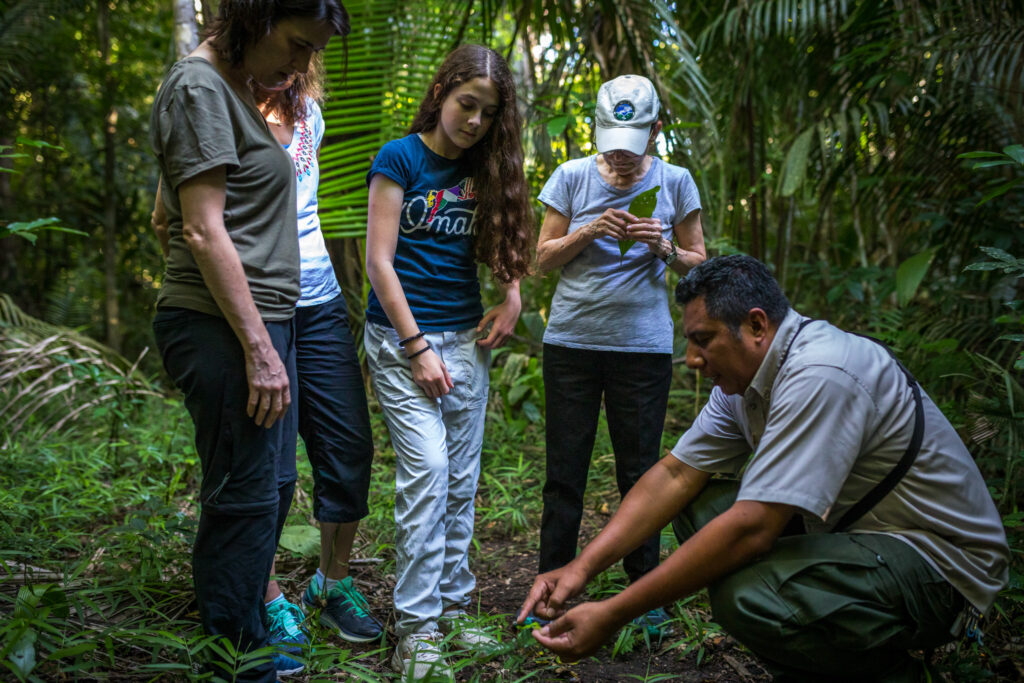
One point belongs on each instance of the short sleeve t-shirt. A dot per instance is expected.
(604, 300)
(199, 123)
(819, 428)
(434, 255)
(319, 284)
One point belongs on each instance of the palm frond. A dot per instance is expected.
(20, 27)
(374, 94)
(51, 377)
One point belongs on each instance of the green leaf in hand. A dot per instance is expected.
(642, 206)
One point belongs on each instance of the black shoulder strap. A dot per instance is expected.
(882, 488)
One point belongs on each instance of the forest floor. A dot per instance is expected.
(95, 575)
(505, 570)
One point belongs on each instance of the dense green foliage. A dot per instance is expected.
(870, 151)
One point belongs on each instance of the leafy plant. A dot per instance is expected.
(51, 378)
(1012, 155)
(28, 229)
(642, 206)
(1014, 267)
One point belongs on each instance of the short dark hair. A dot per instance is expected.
(240, 23)
(731, 286)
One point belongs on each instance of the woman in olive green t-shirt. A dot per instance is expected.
(223, 322)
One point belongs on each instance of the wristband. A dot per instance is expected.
(671, 255)
(412, 338)
(423, 350)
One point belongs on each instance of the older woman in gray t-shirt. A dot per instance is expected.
(609, 333)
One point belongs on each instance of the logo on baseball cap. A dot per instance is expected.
(627, 107)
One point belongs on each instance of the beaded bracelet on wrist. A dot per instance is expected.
(414, 337)
(423, 350)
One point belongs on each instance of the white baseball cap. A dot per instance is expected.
(627, 108)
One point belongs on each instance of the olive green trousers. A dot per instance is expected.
(829, 607)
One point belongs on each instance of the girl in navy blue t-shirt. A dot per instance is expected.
(450, 194)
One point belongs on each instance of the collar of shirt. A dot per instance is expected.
(764, 378)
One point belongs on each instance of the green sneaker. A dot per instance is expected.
(655, 623)
(285, 632)
(343, 609)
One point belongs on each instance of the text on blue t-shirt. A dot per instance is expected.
(434, 255)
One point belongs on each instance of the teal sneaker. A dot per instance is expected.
(344, 610)
(655, 622)
(285, 632)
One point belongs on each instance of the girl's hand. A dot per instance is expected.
(612, 223)
(648, 231)
(430, 374)
(504, 317)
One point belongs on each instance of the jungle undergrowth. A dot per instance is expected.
(95, 579)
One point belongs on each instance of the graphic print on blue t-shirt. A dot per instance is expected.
(434, 254)
(455, 205)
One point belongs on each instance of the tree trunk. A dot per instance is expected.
(609, 44)
(756, 247)
(111, 307)
(10, 248)
(186, 34)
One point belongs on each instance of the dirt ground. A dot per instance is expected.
(505, 582)
(505, 572)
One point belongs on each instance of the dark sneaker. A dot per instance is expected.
(344, 610)
(655, 622)
(285, 632)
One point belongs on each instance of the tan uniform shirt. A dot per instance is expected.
(828, 425)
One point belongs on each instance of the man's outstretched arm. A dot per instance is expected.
(650, 505)
(733, 539)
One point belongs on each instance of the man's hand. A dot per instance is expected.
(550, 591)
(579, 632)
(269, 395)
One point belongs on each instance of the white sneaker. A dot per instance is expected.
(418, 657)
(466, 633)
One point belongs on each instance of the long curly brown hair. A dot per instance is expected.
(504, 235)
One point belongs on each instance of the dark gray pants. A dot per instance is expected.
(243, 503)
(831, 607)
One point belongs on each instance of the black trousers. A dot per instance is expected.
(333, 418)
(635, 390)
(244, 505)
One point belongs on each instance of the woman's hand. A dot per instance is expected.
(612, 223)
(502, 319)
(428, 371)
(269, 396)
(648, 231)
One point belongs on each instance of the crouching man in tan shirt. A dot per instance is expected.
(860, 527)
